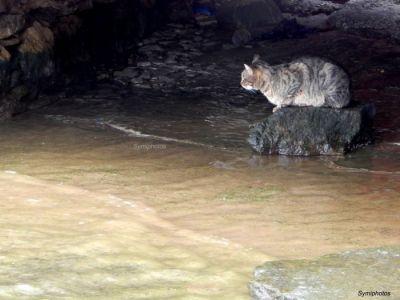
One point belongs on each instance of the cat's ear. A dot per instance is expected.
(256, 58)
(248, 69)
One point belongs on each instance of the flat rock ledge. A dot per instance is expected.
(306, 131)
(355, 274)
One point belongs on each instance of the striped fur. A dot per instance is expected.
(307, 81)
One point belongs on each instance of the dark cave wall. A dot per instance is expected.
(104, 35)
(48, 41)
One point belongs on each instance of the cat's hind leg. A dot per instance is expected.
(338, 99)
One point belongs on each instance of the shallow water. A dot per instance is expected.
(118, 193)
(196, 118)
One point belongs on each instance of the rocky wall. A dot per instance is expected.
(44, 41)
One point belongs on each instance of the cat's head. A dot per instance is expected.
(251, 75)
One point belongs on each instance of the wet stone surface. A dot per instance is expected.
(314, 130)
(169, 61)
(330, 277)
(165, 60)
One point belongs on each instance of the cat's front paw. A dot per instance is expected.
(276, 108)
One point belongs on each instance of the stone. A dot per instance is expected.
(150, 48)
(4, 54)
(129, 72)
(10, 41)
(10, 24)
(313, 130)
(241, 37)
(4, 68)
(257, 16)
(369, 17)
(37, 39)
(12, 101)
(303, 8)
(346, 275)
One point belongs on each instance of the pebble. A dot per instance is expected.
(167, 61)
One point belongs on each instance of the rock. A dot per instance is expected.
(12, 102)
(303, 8)
(37, 39)
(257, 16)
(10, 24)
(180, 11)
(4, 55)
(313, 130)
(150, 48)
(129, 72)
(67, 26)
(311, 14)
(319, 21)
(35, 55)
(210, 46)
(4, 67)
(369, 16)
(332, 277)
(10, 41)
(241, 37)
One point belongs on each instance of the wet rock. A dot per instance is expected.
(4, 67)
(311, 14)
(150, 48)
(304, 8)
(35, 55)
(257, 16)
(4, 55)
(210, 46)
(313, 130)
(241, 37)
(330, 277)
(165, 59)
(10, 24)
(10, 41)
(24, 72)
(180, 11)
(37, 39)
(12, 101)
(130, 72)
(369, 17)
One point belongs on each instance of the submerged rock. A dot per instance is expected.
(313, 130)
(349, 275)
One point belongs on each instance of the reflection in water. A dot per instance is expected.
(89, 212)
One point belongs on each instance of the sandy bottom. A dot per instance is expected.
(92, 214)
(63, 241)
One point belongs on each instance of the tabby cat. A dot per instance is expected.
(307, 81)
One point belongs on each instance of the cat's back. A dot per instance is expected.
(311, 61)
